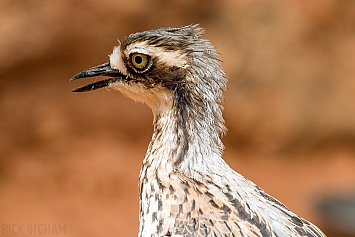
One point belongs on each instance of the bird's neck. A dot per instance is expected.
(185, 141)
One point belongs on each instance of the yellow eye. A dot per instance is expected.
(140, 61)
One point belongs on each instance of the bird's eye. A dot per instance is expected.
(140, 61)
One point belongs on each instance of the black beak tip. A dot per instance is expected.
(100, 70)
(79, 75)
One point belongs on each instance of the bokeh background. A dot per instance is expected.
(73, 159)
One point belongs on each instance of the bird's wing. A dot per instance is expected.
(280, 222)
(283, 221)
(257, 214)
(207, 227)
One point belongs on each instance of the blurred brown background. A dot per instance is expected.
(73, 159)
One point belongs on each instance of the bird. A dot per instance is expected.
(186, 188)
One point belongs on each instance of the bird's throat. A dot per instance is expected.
(184, 141)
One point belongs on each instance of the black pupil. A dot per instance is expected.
(138, 59)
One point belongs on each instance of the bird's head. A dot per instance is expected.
(171, 67)
(177, 74)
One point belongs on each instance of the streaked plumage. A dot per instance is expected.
(186, 188)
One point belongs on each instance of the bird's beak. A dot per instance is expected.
(100, 70)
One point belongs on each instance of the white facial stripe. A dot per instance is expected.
(116, 60)
(170, 58)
